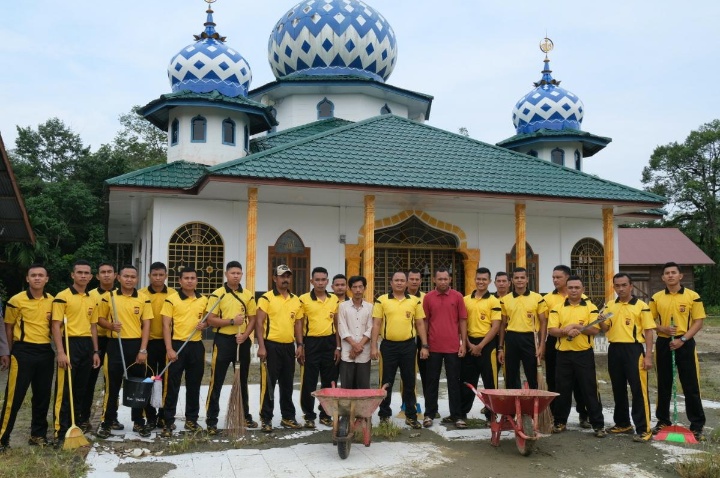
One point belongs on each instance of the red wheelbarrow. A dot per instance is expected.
(350, 408)
(518, 410)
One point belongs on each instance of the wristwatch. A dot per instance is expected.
(232, 321)
(143, 351)
(300, 344)
(338, 348)
(425, 346)
(683, 339)
(96, 352)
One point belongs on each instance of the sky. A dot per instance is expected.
(647, 72)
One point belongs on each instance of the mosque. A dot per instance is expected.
(330, 165)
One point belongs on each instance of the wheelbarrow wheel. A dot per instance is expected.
(344, 441)
(526, 446)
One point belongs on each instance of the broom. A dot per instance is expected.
(675, 433)
(74, 437)
(235, 419)
(545, 418)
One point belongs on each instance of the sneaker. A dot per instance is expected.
(600, 433)
(151, 425)
(699, 436)
(192, 426)
(116, 425)
(660, 425)
(103, 432)
(266, 427)
(642, 437)
(212, 430)
(460, 424)
(559, 428)
(86, 427)
(437, 415)
(428, 422)
(310, 424)
(585, 423)
(166, 433)
(290, 423)
(38, 441)
(250, 423)
(620, 429)
(413, 423)
(327, 421)
(142, 429)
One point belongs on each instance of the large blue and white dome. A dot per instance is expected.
(333, 37)
(548, 107)
(209, 64)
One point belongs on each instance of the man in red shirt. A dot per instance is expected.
(446, 319)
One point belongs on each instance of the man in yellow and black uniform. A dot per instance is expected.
(277, 311)
(182, 318)
(157, 292)
(316, 329)
(630, 326)
(399, 317)
(129, 332)
(575, 357)
(234, 320)
(106, 276)
(27, 323)
(483, 324)
(76, 304)
(679, 315)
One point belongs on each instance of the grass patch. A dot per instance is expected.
(476, 423)
(387, 430)
(31, 462)
(702, 465)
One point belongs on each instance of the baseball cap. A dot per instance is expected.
(282, 269)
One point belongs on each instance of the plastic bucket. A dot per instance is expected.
(136, 391)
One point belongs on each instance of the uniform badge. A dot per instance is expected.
(48, 315)
(530, 315)
(482, 316)
(627, 321)
(581, 322)
(292, 315)
(90, 309)
(408, 314)
(137, 310)
(682, 308)
(332, 315)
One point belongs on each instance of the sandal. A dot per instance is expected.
(460, 424)
(427, 422)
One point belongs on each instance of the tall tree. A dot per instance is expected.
(140, 142)
(688, 174)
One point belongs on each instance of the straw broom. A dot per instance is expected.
(74, 437)
(235, 420)
(545, 418)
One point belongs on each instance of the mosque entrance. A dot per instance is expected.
(412, 244)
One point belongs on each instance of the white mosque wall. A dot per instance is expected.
(297, 110)
(544, 151)
(212, 151)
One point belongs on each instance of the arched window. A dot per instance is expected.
(557, 156)
(532, 152)
(199, 130)
(385, 110)
(326, 109)
(532, 262)
(289, 249)
(246, 134)
(228, 132)
(273, 112)
(587, 260)
(200, 246)
(174, 132)
(578, 160)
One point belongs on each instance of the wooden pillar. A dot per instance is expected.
(520, 236)
(251, 247)
(609, 246)
(369, 248)
(352, 258)
(470, 264)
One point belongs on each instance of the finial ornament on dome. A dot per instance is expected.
(209, 31)
(546, 46)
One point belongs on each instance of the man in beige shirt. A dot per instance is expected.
(355, 328)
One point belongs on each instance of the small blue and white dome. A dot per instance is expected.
(548, 107)
(209, 64)
(333, 37)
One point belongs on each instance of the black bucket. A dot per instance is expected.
(136, 392)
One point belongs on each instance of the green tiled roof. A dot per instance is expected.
(591, 143)
(175, 175)
(394, 152)
(274, 140)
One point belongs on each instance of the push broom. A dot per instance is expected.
(74, 437)
(235, 420)
(545, 418)
(675, 433)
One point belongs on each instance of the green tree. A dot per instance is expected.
(688, 174)
(139, 142)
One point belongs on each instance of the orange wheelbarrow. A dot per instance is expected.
(350, 408)
(516, 410)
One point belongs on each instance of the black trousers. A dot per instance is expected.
(355, 375)
(520, 348)
(278, 368)
(688, 369)
(30, 365)
(225, 350)
(625, 365)
(550, 364)
(157, 359)
(431, 386)
(394, 355)
(577, 368)
(89, 397)
(81, 356)
(190, 361)
(473, 368)
(115, 373)
(319, 361)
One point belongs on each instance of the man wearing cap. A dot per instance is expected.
(277, 311)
